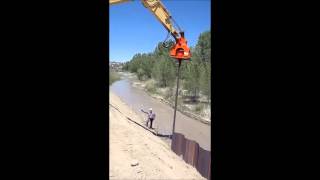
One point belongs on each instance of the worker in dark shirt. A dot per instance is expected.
(151, 117)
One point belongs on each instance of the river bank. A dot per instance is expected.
(136, 153)
(166, 95)
(137, 99)
(113, 76)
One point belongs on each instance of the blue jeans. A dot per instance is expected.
(151, 120)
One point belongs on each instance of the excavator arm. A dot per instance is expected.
(180, 49)
(111, 2)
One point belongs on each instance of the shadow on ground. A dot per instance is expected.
(150, 130)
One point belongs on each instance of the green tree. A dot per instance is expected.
(203, 47)
(195, 74)
(205, 81)
(164, 72)
(192, 77)
(140, 73)
(125, 67)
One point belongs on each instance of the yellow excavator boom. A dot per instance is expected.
(111, 2)
(180, 50)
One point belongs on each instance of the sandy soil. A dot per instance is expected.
(135, 153)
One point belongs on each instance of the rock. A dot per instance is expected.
(134, 163)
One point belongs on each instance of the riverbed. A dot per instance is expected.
(138, 99)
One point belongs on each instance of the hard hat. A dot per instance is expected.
(150, 109)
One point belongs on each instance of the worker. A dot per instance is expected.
(151, 117)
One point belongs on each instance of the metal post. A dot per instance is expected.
(176, 100)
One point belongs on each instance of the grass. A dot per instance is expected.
(199, 107)
(151, 87)
(114, 76)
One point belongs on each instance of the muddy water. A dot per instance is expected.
(137, 99)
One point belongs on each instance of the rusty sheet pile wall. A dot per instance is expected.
(192, 154)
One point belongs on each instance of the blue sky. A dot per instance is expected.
(134, 29)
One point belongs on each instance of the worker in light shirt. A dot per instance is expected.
(151, 117)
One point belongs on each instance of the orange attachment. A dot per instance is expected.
(180, 50)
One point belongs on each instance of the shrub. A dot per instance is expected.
(199, 107)
(113, 77)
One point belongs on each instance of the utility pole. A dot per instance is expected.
(176, 100)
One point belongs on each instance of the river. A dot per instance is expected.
(137, 99)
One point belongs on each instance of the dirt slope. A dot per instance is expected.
(130, 144)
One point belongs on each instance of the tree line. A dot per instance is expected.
(158, 65)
